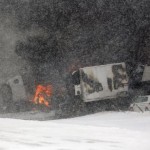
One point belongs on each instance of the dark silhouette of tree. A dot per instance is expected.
(93, 32)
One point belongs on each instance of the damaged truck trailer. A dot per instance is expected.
(101, 87)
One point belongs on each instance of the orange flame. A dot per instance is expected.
(42, 94)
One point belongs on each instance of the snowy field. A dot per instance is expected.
(101, 131)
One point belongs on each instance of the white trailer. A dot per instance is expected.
(101, 82)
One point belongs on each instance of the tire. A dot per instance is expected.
(146, 109)
(96, 106)
(131, 109)
(124, 103)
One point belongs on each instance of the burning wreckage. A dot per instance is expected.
(91, 89)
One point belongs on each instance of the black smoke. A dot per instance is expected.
(90, 32)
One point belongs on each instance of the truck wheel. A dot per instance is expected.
(131, 109)
(6, 97)
(124, 103)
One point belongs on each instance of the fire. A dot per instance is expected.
(42, 94)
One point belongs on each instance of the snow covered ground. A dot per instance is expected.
(101, 131)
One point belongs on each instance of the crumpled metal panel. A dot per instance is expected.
(18, 89)
(104, 81)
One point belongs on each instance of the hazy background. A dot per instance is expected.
(65, 35)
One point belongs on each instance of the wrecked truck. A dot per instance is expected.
(99, 87)
(13, 94)
(89, 86)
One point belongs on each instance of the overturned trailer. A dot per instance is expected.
(101, 82)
